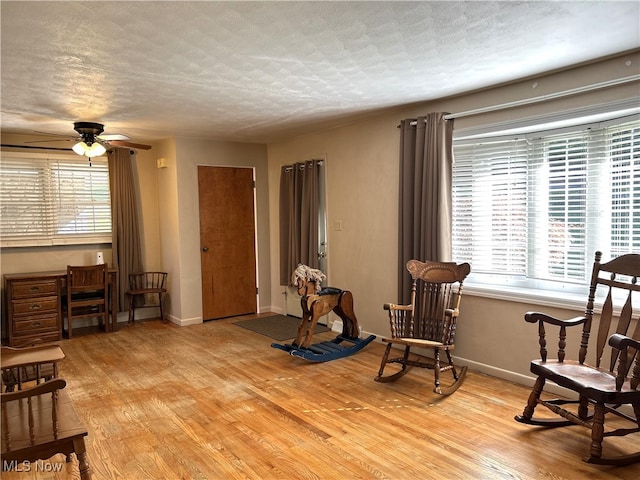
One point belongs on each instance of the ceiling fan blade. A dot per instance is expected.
(122, 143)
(115, 136)
(49, 134)
(51, 140)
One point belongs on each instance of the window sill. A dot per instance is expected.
(70, 242)
(570, 301)
(13, 246)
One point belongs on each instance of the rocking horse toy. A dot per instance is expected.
(317, 302)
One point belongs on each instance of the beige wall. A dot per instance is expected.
(362, 191)
(167, 206)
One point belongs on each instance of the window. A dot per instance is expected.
(530, 211)
(50, 199)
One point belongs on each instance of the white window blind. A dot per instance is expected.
(53, 199)
(531, 211)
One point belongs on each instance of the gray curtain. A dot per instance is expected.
(126, 249)
(426, 160)
(299, 211)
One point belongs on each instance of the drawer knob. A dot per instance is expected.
(35, 306)
(35, 324)
(34, 289)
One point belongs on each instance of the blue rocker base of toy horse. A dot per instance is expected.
(339, 347)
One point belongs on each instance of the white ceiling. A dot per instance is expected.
(259, 71)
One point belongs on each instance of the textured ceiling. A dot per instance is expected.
(259, 71)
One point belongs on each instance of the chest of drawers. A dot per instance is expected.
(33, 309)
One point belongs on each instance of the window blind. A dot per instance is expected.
(53, 199)
(531, 210)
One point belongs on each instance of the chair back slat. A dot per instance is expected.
(605, 325)
(623, 326)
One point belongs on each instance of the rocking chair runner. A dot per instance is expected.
(429, 322)
(612, 382)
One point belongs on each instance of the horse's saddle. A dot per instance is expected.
(329, 291)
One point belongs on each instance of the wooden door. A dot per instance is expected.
(227, 241)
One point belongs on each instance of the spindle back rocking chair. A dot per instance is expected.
(609, 384)
(428, 322)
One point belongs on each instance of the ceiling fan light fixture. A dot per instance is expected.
(94, 149)
(80, 148)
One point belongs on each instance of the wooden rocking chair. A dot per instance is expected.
(603, 388)
(429, 322)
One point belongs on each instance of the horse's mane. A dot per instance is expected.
(308, 274)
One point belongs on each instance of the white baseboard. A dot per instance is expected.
(183, 322)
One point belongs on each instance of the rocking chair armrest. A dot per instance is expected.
(451, 312)
(393, 306)
(533, 317)
(621, 341)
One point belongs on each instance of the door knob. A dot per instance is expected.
(205, 249)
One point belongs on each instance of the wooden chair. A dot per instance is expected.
(87, 295)
(29, 364)
(39, 422)
(143, 284)
(610, 385)
(428, 322)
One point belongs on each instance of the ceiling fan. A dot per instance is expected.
(92, 143)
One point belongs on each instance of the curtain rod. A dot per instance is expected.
(541, 98)
(288, 168)
(544, 98)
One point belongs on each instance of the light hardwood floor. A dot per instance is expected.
(215, 401)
